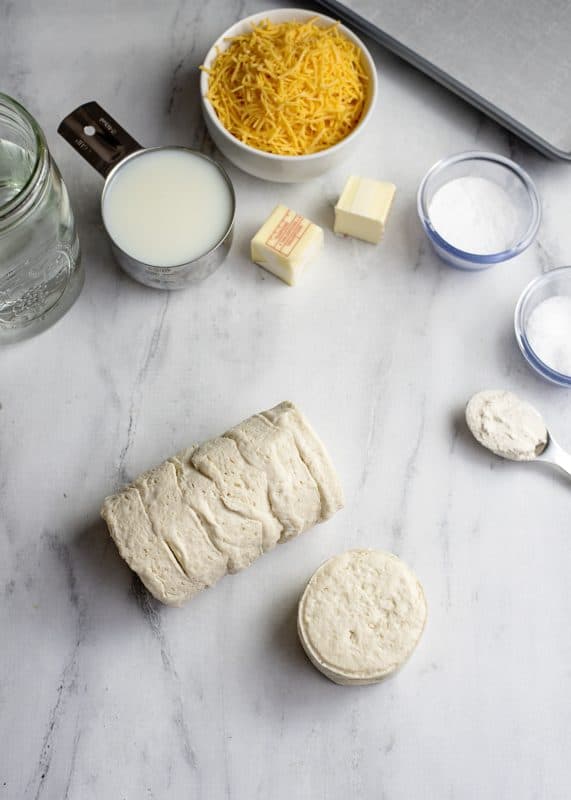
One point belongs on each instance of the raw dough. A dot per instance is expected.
(144, 552)
(361, 616)
(313, 454)
(243, 488)
(239, 538)
(294, 496)
(216, 507)
(178, 525)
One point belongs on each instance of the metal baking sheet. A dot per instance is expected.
(510, 59)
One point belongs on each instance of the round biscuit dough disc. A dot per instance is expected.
(361, 616)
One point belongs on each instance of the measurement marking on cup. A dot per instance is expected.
(108, 125)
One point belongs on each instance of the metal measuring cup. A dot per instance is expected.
(104, 144)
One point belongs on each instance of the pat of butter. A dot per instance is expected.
(286, 243)
(363, 208)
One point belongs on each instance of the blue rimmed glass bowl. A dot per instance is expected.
(556, 282)
(509, 176)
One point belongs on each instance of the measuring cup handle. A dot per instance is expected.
(97, 137)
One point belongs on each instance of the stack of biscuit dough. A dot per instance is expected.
(215, 508)
(361, 616)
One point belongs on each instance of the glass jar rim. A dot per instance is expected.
(7, 209)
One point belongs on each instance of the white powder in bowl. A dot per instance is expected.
(475, 215)
(548, 332)
(506, 425)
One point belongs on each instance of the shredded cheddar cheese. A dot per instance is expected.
(291, 88)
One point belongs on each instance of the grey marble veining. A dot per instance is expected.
(104, 694)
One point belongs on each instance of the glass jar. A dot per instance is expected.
(40, 267)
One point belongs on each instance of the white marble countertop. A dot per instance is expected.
(104, 694)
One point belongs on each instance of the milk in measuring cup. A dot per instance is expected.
(167, 206)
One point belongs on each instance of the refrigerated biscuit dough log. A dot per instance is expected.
(313, 453)
(216, 507)
(144, 552)
(293, 493)
(236, 536)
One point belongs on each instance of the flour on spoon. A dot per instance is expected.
(506, 425)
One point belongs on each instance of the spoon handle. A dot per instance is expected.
(558, 456)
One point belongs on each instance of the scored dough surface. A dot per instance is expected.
(216, 507)
(293, 493)
(178, 525)
(243, 488)
(236, 536)
(312, 452)
(361, 616)
(144, 551)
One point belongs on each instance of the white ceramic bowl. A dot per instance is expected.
(270, 167)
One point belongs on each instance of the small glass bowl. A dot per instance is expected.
(502, 171)
(550, 284)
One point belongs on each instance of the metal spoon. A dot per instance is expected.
(501, 422)
(553, 453)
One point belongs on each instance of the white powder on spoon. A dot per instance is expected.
(475, 215)
(548, 332)
(506, 425)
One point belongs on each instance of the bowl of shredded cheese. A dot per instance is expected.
(287, 93)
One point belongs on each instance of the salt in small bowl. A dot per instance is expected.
(556, 282)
